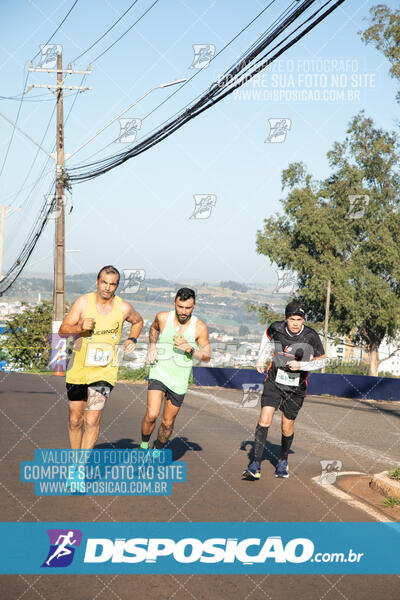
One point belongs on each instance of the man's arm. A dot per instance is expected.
(318, 362)
(265, 347)
(309, 365)
(74, 322)
(154, 334)
(203, 352)
(132, 317)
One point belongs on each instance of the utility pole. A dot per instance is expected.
(4, 210)
(326, 321)
(59, 203)
(59, 245)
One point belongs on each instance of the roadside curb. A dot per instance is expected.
(384, 484)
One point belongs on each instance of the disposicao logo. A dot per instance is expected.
(62, 547)
(191, 550)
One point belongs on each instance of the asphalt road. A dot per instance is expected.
(213, 435)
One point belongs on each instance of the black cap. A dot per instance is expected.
(295, 308)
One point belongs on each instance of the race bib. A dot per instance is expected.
(98, 356)
(287, 378)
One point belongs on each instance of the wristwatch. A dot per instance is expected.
(191, 351)
(133, 339)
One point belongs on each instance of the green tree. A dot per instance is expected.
(384, 34)
(243, 330)
(26, 338)
(346, 229)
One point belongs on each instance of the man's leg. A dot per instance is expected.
(287, 436)
(97, 396)
(92, 427)
(282, 469)
(167, 423)
(265, 420)
(154, 401)
(75, 423)
(253, 471)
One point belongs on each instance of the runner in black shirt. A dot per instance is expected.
(296, 349)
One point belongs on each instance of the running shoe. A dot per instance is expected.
(253, 472)
(282, 469)
(144, 446)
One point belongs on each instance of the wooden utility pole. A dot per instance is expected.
(326, 321)
(59, 245)
(59, 204)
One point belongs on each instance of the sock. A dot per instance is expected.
(259, 442)
(145, 438)
(159, 445)
(285, 445)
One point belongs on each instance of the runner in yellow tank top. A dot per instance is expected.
(175, 338)
(96, 321)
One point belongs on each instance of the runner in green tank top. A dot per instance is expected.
(175, 339)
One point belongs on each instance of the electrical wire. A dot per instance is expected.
(125, 32)
(45, 212)
(58, 28)
(235, 77)
(106, 32)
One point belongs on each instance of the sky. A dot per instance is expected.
(140, 215)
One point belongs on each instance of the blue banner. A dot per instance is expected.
(61, 472)
(200, 548)
(333, 384)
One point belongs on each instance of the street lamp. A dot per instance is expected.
(162, 85)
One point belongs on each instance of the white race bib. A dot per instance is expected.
(98, 357)
(287, 378)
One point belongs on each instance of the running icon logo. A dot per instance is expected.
(132, 280)
(48, 56)
(278, 129)
(203, 205)
(251, 394)
(203, 53)
(128, 129)
(287, 282)
(62, 547)
(329, 471)
(357, 206)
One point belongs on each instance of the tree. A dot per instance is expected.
(234, 285)
(27, 337)
(243, 330)
(384, 34)
(346, 229)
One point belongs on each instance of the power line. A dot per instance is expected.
(125, 32)
(198, 72)
(38, 227)
(24, 87)
(106, 32)
(59, 26)
(233, 78)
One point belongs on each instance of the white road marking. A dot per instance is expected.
(334, 491)
(323, 436)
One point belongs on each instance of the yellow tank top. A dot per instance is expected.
(94, 355)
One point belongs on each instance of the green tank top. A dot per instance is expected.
(173, 367)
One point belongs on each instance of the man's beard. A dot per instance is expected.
(185, 319)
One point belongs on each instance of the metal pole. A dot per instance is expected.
(3, 218)
(327, 304)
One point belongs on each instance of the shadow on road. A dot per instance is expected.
(179, 446)
(271, 451)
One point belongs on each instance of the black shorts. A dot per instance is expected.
(175, 398)
(288, 402)
(79, 391)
